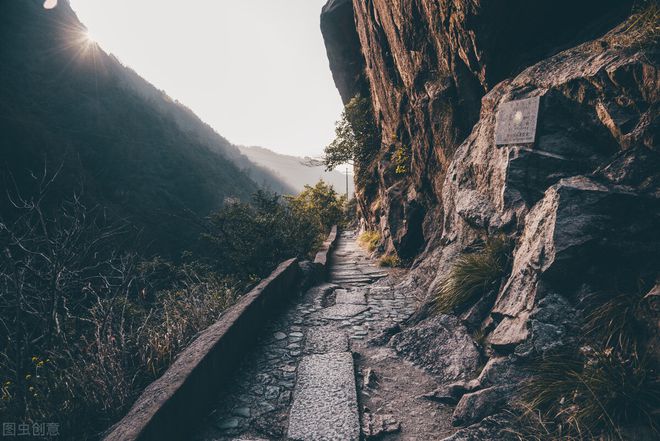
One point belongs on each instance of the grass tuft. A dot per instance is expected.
(590, 396)
(369, 240)
(390, 261)
(474, 274)
(614, 324)
(610, 385)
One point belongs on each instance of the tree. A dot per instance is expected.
(321, 203)
(250, 239)
(356, 136)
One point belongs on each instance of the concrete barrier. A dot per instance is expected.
(322, 259)
(166, 408)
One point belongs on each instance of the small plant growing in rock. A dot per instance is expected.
(474, 274)
(390, 261)
(400, 157)
(369, 240)
(614, 323)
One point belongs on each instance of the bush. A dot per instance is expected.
(248, 240)
(474, 275)
(321, 203)
(369, 240)
(86, 327)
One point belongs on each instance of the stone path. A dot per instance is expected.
(300, 381)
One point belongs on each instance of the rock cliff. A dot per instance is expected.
(581, 204)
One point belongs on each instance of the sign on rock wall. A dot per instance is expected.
(516, 121)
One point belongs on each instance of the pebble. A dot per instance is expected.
(242, 412)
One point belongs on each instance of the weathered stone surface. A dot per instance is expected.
(427, 64)
(375, 426)
(494, 428)
(474, 406)
(451, 393)
(325, 339)
(441, 345)
(581, 202)
(325, 400)
(353, 297)
(342, 311)
(384, 336)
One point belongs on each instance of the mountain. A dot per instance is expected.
(294, 171)
(116, 140)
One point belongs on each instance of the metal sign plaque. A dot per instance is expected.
(516, 121)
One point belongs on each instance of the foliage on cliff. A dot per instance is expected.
(356, 136)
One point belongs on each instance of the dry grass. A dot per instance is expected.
(589, 397)
(594, 394)
(473, 275)
(613, 323)
(390, 261)
(369, 240)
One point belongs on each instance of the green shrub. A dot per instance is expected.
(473, 275)
(249, 239)
(369, 240)
(401, 157)
(321, 203)
(390, 261)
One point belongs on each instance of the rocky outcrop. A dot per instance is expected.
(343, 48)
(440, 345)
(427, 64)
(581, 203)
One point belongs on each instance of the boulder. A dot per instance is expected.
(474, 406)
(441, 345)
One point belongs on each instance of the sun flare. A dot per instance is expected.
(89, 37)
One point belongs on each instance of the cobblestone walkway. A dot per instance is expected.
(299, 383)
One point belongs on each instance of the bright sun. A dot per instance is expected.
(89, 37)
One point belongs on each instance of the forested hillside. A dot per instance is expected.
(69, 109)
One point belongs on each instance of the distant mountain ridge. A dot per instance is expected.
(295, 171)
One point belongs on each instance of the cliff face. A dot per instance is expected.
(427, 64)
(581, 204)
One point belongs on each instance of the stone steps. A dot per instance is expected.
(325, 398)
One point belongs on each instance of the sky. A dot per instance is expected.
(255, 70)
